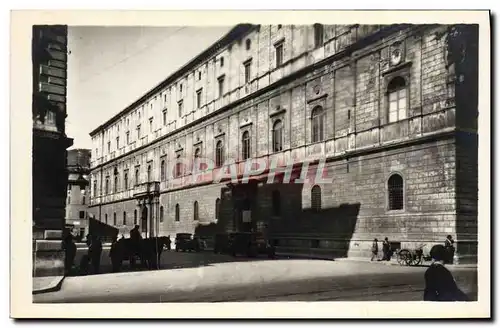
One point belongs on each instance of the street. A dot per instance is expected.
(207, 277)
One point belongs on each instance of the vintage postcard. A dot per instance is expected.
(241, 164)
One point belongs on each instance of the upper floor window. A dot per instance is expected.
(180, 108)
(117, 142)
(106, 218)
(248, 44)
(316, 198)
(116, 184)
(114, 219)
(151, 125)
(279, 54)
(161, 214)
(165, 117)
(395, 192)
(199, 76)
(180, 88)
(109, 146)
(106, 186)
(137, 177)
(317, 121)
(138, 132)
(219, 153)
(248, 70)
(178, 166)
(149, 173)
(318, 35)
(221, 60)
(127, 137)
(135, 217)
(197, 153)
(278, 136)
(162, 170)
(221, 86)
(95, 188)
(397, 95)
(198, 98)
(125, 180)
(165, 99)
(124, 218)
(245, 145)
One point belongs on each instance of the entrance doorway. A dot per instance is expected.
(144, 219)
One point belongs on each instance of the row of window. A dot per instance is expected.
(394, 188)
(279, 49)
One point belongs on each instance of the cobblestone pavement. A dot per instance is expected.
(207, 277)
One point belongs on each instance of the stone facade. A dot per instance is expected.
(332, 89)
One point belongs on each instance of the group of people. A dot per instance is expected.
(89, 262)
(386, 250)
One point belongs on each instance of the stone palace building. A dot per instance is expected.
(389, 112)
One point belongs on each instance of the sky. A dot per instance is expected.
(111, 67)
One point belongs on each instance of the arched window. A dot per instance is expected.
(162, 171)
(219, 154)
(278, 136)
(135, 217)
(114, 219)
(248, 44)
(197, 153)
(161, 214)
(397, 99)
(317, 121)
(316, 198)
(177, 213)
(178, 167)
(149, 173)
(318, 35)
(116, 184)
(125, 180)
(217, 209)
(245, 145)
(195, 211)
(395, 192)
(276, 203)
(136, 176)
(124, 218)
(106, 186)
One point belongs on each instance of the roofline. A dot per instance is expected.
(223, 41)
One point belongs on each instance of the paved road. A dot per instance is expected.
(206, 277)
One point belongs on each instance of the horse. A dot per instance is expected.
(148, 250)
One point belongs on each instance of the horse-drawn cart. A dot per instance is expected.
(412, 257)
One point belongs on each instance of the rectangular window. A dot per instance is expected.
(117, 142)
(165, 117)
(82, 214)
(109, 146)
(138, 132)
(221, 86)
(248, 67)
(164, 99)
(198, 98)
(127, 136)
(279, 54)
(180, 108)
(397, 105)
(151, 125)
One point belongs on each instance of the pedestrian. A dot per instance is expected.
(386, 249)
(374, 250)
(450, 249)
(439, 282)
(69, 247)
(95, 251)
(114, 255)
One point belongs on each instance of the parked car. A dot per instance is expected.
(185, 242)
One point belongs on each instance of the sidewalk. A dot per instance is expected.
(47, 284)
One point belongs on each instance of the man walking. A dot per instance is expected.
(374, 250)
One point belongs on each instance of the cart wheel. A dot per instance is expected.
(416, 261)
(404, 257)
